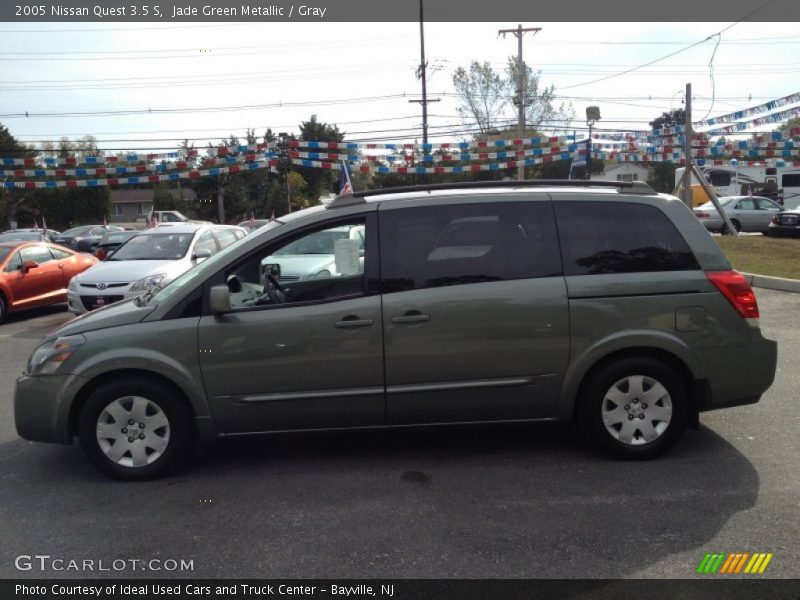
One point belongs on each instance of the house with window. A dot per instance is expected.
(130, 206)
(624, 172)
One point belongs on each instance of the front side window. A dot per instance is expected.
(39, 254)
(320, 265)
(424, 247)
(617, 237)
(206, 242)
(225, 237)
(14, 263)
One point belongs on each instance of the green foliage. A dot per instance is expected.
(320, 182)
(486, 98)
(661, 177)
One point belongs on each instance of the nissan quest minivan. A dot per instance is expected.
(600, 302)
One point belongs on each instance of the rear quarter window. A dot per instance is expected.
(616, 237)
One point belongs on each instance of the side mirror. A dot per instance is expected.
(28, 265)
(203, 253)
(220, 299)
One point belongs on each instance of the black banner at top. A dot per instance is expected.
(516, 11)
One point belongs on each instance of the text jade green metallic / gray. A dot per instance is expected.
(448, 334)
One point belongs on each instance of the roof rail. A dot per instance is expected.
(624, 187)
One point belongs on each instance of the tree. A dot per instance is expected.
(319, 182)
(786, 128)
(11, 200)
(486, 98)
(481, 92)
(541, 114)
(661, 176)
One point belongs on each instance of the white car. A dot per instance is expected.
(150, 259)
(327, 253)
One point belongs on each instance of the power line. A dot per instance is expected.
(671, 54)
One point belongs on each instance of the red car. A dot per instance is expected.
(36, 273)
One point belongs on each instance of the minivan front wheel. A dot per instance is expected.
(634, 407)
(134, 429)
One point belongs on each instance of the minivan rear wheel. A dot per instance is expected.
(634, 407)
(134, 429)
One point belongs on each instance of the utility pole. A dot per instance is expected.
(421, 74)
(687, 150)
(220, 200)
(522, 84)
(283, 145)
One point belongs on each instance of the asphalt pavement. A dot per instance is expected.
(519, 501)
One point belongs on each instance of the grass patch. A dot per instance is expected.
(778, 257)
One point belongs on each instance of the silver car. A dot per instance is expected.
(747, 213)
(150, 259)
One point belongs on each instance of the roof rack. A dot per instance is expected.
(624, 187)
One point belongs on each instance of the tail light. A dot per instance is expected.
(775, 220)
(702, 215)
(735, 288)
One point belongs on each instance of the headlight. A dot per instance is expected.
(148, 282)
(48, 357)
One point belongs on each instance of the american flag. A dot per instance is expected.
(252, 222)
(153, 219)
(344, 181)
(44, 224)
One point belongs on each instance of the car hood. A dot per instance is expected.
(129, 271)
(126, 312)
(305, 264)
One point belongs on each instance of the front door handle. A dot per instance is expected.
(411, 317)
(352, 322)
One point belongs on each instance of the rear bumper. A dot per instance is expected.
(737, 375)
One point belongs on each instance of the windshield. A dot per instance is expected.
(76, 230)
(316, 243)
(116, 238)
(206, 266)
(21, 236)
(155, 246)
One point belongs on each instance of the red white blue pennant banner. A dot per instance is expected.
(192, 174)
(535, 141)
(753, 110)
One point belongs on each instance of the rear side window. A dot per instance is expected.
(225, 237)
(435, 246)
(615, 237)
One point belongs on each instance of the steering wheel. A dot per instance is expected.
(273, 292)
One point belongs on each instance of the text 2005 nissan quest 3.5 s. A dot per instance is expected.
(602, 302)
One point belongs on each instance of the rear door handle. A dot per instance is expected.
(411, 317)
(352, 322)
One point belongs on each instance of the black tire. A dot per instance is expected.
(736, 225)
(179, 433)
(2, 309)
(594, 401)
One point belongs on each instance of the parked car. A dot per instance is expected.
(747, 213)
(84, 238)
(112, 240)
(601, 302)
(29, 235)
(173, 216)
(251, 226)
(149, 259)
(786, 223)
(35, 273)
(314, 256)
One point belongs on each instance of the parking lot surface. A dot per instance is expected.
(520, 501)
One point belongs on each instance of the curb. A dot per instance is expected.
(773, 283)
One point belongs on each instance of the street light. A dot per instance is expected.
(592, 117)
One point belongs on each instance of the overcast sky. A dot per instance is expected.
(335, 67)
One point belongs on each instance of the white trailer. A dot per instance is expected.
(780, 183)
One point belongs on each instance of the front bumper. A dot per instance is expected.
(738, 375)
(788, 230)
(86, 299)
(42, 406)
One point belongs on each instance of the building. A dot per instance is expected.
(129, 206)
(624, 172)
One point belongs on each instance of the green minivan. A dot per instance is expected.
(600, 302)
